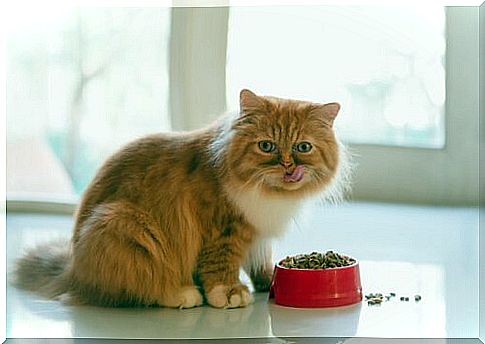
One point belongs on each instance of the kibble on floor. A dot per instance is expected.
(378, 298)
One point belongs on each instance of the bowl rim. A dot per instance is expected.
(279, 266)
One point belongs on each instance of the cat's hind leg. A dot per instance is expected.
(123, 258)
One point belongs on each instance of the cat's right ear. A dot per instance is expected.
(327, 111)
(248, 102)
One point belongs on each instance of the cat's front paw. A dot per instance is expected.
(233, 296)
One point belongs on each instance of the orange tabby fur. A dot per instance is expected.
(170, 218)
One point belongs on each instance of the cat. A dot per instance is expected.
(170, 219)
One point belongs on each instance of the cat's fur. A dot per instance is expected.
(172, 217)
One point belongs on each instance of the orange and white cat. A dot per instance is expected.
(170, 219)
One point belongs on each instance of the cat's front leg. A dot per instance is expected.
(219, 265)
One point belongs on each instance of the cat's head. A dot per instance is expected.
(283, 146)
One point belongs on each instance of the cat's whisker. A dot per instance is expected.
(255, 178)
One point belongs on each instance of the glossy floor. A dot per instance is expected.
(431, 251)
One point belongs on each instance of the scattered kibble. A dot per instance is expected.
(374, 299)
(316, 260)
(378, 298)
(374, 302)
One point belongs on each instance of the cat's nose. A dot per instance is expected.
(286, 163)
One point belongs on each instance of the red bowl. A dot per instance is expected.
(309, 288)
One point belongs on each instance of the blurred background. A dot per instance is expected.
(81, 82)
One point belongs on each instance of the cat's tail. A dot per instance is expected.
(42, 269)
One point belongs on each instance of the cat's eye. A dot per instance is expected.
(266, 146)
(303, 147)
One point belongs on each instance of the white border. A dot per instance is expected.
(3, 179)
(32, 4)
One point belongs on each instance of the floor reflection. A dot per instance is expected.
(334, 322)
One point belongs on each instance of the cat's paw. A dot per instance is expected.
(189, 297)
(234, 296)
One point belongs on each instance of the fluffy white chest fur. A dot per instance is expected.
(270, 215)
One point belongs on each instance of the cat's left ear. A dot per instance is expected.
(249, 102)
(327, 111)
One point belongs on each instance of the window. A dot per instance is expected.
(80, 84)
(385, 65)
(92, 80)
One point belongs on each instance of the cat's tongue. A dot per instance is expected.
(296, 176)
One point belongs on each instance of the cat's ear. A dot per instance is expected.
(249, 101)
(327, 111)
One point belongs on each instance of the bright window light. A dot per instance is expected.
(80, 83)
(385, 65)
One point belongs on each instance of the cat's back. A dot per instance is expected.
(140, 155)
(147, 166)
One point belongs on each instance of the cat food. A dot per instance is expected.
(316, 280)
(316, 260)
(377, 298)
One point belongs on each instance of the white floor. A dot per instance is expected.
(431, 251)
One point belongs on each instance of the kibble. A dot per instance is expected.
(316, 260)
(374, 299)
(377, 298)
